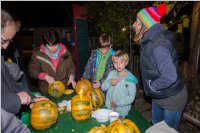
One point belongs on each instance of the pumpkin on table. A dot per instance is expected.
(122, 126)
(56, 89)
(80, 107)
(83, 86)
(98, 129)
(97, 97)
(43, 114)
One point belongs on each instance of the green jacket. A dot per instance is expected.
(41, 63)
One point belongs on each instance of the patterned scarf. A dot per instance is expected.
(53, 55)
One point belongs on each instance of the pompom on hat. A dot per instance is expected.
(152, 15)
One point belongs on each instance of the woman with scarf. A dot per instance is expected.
(52, 62)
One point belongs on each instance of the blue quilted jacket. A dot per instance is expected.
(90, 71)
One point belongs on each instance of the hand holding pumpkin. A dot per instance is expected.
(24, 97)
(49, 79)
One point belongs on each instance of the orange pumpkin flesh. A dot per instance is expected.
(97, 97)
(83, 86)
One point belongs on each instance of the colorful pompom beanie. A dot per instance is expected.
(151, 15)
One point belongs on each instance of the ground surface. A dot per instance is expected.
(145, 108)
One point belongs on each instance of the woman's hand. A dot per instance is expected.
(24, 97)
(71, 81)
(114, 82)
(49, 79)
(96, 84)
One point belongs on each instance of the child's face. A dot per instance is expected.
(53, 48)
(120, 64)
(104, 50)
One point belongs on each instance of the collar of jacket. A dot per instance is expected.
(62, 51)
(155, 29)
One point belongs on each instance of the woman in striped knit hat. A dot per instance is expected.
(159, 67)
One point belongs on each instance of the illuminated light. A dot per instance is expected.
(123, 29)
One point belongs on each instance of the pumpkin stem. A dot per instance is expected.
(121, 120)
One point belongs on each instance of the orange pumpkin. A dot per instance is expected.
(98, 129)
(97, 97)
(80, 107)
(43, 114)
(83, 86)
(56, 89)
(122, 126)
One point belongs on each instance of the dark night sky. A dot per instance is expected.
(54, 14)
(41, 13)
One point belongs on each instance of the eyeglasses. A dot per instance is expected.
(4, 41)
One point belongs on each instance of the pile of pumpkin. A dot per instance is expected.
(117, 126)
(88, 99)
(45, 113)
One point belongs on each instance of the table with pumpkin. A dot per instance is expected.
(84, 100)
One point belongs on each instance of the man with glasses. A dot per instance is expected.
(12, 97)
(11, 100)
